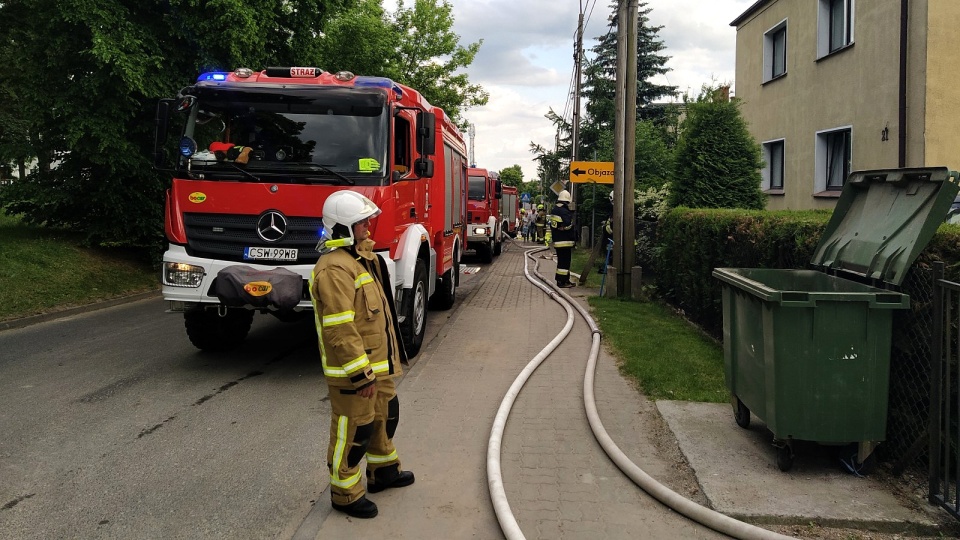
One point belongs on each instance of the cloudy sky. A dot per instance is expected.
(526, 61)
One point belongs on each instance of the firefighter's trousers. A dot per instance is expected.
(541, 227)
(360, 427)
(564, 254)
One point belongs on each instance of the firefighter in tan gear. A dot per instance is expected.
(540, 223)
(560, 233)
(361, 353)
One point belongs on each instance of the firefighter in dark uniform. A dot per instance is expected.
(361, 353)
(561, 234)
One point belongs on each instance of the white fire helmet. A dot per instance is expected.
(346, 208)
(564, 196)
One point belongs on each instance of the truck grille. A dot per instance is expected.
(223, 236)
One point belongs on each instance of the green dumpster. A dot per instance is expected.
(808, 351)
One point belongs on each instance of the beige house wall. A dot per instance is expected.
(942, 114)
(857, 87)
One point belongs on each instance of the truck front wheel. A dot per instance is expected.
(208, 331)
(446, 293)
(485, 252)
(414, 310)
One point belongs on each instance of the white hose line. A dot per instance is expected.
(705, 516)
(508, 523)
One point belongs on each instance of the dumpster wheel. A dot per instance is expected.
(784, 455)
(741, 413)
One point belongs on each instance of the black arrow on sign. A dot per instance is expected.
(578, 172)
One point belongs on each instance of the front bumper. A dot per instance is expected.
(184, 298)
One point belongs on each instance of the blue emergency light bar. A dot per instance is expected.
(213, 76)
(378, 82)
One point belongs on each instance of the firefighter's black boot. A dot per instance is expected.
(362, 508)
(388, 477)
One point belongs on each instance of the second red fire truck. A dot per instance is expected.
(492, 210)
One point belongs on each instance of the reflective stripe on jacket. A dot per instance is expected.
(357, 337)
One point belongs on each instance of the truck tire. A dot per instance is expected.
(485, 252)
(498, 243)
(446, 293)
(208, 331)
(414, 310)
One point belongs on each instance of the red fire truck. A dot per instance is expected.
(491, 212)
(258, 154)
(510, 210)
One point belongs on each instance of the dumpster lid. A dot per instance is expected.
(883, 220)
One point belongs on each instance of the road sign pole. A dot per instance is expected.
(593, 216)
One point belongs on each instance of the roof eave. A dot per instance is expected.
(750, 11)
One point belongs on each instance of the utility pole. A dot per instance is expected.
(624, 158)
(578, 62)
(575, 140)
(618, 144)
(630, 153)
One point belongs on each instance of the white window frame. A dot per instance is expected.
(823, 26)
(820, 160)
(768, 47)
(767, 173)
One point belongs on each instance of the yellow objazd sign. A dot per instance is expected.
(600, 172)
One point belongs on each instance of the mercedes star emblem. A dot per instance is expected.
(272, 226)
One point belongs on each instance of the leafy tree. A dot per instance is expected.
(512, 176)
(599, 88)
(531, 188)
(426, 36)
(88, 74)
(360, 39)
(415, 46)
(717, 161)
(654, 155)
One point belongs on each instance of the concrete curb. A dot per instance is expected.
(67, 312)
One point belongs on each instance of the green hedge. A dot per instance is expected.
(692, 242)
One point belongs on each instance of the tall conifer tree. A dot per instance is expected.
(599, 88)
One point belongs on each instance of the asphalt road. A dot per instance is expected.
(112, 425)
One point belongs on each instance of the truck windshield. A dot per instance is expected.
(330, 134)
(477, 188)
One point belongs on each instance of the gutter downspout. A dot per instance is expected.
(902, 113)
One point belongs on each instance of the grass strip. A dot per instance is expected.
(667, 356)
(44, 269)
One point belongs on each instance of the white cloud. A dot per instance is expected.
(526, 61)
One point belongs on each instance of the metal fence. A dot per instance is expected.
(908, 411)
(944, 458)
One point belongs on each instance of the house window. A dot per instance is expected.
(775, 51)
(834, 156)
(835, 27)
(773, 171)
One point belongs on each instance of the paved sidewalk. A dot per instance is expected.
(558, 481)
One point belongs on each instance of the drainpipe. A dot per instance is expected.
(902, 115)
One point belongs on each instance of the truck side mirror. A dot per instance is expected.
(426, 133)
(423, 167)
(498, 189)
(160, 136)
